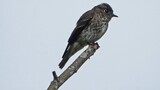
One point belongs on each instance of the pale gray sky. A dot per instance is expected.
(34, 34)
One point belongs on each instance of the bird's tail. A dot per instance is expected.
(65, 56)
(70, 50)
(63, 62)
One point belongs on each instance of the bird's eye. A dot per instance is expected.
(106, 11)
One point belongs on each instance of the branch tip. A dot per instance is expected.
(55, 75)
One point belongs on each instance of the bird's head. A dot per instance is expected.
(107, 9)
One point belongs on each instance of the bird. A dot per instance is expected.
(90, 27)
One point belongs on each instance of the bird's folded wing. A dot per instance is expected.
(82, 23)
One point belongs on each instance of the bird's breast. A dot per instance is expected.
(93, 32)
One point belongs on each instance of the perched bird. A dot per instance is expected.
(90, 27)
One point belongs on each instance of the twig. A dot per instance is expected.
(55, 75)
(73, 68)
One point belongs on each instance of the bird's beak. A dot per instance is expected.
(114, 15)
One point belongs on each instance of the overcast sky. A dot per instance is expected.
(34, 34)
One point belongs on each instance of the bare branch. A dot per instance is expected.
(73, 68)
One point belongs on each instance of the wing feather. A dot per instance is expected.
(82, 23)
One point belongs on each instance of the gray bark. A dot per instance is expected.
(73, 68)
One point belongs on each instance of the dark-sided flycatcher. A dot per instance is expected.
(90, 27)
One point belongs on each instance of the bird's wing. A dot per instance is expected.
(82, 23)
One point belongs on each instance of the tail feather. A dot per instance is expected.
(66, 50)
(70, 50)
(63, 62)
(66, 56)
